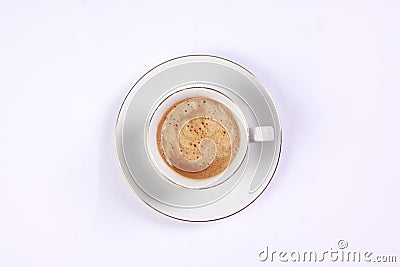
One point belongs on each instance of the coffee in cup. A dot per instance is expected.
(198, 137)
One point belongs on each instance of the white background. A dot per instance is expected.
(331, 66)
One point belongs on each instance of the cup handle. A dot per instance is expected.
(261, 134)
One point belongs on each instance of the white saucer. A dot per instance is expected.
(177, 202)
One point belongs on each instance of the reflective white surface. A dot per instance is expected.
(331, 67)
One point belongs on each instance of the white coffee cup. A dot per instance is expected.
(247, 135)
